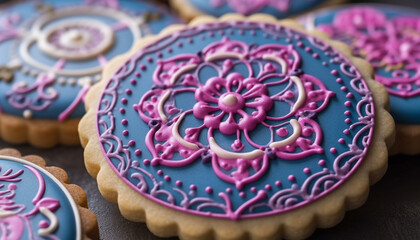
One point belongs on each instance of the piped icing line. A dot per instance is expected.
(389, 43)
(70, 109)
(19, 220)
(306, 145)
(220, 152)
(52, 219)
(41, 186)
(8, 30)
(297, 131)
(55, 31)
(253, 6)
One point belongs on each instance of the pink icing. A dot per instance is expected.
(252, 6)
(389, 44)
(315, 186)
(8, 28)
(223, 99)
(13, 226)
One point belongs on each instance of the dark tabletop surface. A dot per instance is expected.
(392, 210)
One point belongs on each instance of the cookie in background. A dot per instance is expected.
(388, 37)
(238, 127)
(39, 203)
(53, 52)
(189, 9)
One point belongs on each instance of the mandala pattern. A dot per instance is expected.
(37, 220)
(391, 45)
(57, 52)
(234, 120)
(234, 104)
(253, 6)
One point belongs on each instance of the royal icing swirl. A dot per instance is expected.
(34, 204)
(235, 120)
(54, 51)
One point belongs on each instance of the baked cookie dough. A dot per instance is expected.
(237, 127)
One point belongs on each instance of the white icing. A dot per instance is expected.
(74, 207)
(182, 71)
(27, 114)
(230, 100)
(276, 59)
(297, 129)
(53, 222)
(232, 155)
(39, 27)
(302, 93)
(223, 55)
(75, 39)
(178, 137)
(5, 213)
(161, 106)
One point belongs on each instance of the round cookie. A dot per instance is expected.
(389, 38)
(238, 127)
(37, 203)
(189, 9)
(53, 52)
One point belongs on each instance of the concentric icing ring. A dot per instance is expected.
(78, 39)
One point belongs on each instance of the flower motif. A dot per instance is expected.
(232, 103)
(253, 6)
(392, 46)
(238, 90)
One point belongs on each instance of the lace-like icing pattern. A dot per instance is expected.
(236, 91)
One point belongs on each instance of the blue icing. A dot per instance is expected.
(60, 92)
(23, 192)
(291, 7)
(201, 174)
(403, 109)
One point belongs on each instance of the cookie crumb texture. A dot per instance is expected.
(53, 52)
(38, 203)
(237, 128)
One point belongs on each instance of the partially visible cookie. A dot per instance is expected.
(36, 201)
(189, 9)
(52, 52)
(237, 128)
(388, 37)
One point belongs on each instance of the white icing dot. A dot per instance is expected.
(22, 85)
(98, 77)
(61, 80)
(230, 100)
(27, 114)
(15, 63)
(85, 81)
(72, 81)
(34, 73)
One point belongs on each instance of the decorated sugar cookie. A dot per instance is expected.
(278, 8)
(389, 38)
(53, 52)
(236, 127)
(36, 202)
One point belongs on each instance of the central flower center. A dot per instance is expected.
(231, 102)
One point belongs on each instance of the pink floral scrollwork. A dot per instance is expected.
(392, 46)
(252, 6)
(256, 96)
